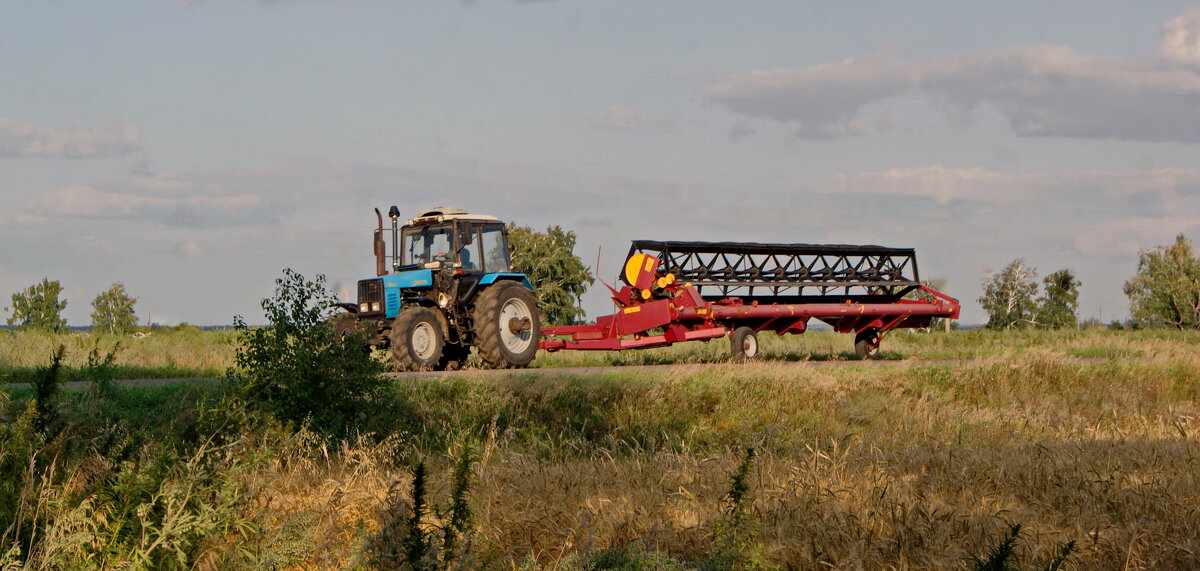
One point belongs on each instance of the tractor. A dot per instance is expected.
(448, 286)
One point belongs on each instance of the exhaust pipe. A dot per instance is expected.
(380, 253)
(394, 214)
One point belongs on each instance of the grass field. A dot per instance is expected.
(189, 352)
(905, 466)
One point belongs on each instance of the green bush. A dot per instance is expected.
(297, 370)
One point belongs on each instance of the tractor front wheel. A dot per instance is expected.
(416, 339)
(507, 326)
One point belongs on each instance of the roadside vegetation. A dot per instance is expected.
(874, 465)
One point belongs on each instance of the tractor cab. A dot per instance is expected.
(453, 238)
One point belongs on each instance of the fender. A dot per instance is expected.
(489, 279)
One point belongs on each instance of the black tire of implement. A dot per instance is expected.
(403, 353)
(737, 344)
(866, 344)
(488, 326)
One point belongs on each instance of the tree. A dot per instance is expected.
(38, 306)
(1059, 305)
(112, 311)
(558, 275)
(1008, 297)
(1166, 288)
(299, 371)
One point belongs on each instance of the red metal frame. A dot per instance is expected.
(662, 312)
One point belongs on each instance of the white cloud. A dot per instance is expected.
(1104, 213)
(823, 98)
(622, 118)
(1042, 90)
(1181, 38)
(192, 210)
(111, 138)
(943, 184)
(188, 248)
(1129, 235)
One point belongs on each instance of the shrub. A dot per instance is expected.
(297, 370)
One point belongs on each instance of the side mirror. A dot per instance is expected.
(466, 236)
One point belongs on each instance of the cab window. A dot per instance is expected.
(422, 245)
(495, 249)
(469, 254)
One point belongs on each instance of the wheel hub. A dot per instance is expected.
(422, 341)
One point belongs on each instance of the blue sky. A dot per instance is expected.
(192, 150)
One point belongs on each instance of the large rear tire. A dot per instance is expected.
(866, 344)
(507, 325)
(416, 340)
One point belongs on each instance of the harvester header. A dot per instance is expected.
(684, 291)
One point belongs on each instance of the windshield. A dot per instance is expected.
(424, 244)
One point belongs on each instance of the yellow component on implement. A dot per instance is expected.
(645, 294)
(633, 309)
(633, 266)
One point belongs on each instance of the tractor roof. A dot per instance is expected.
(442, 213)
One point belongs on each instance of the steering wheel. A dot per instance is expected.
(440, 256)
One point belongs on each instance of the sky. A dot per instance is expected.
(192, 150)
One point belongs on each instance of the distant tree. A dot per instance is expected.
(558, 275)
(38, 306)
(1059, 305)
(1009, 297)
(1166, 288)
(112, 311)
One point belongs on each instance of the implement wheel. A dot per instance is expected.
(743, 344)
(866, 344)
(416, 340)
(507, 326)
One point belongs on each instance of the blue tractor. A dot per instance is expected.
(449, 286)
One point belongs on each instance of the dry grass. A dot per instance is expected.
(916, 467)
(183, 351)
(903, 466)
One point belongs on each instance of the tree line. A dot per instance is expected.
(39, 307)
(1163, 292)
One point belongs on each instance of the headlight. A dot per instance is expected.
(364, 307)
(375, 306)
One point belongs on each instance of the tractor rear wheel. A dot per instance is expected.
(416, 339)
(507, 326)
(743, 344)
(866, 344)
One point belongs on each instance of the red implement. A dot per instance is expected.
(656, 308)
